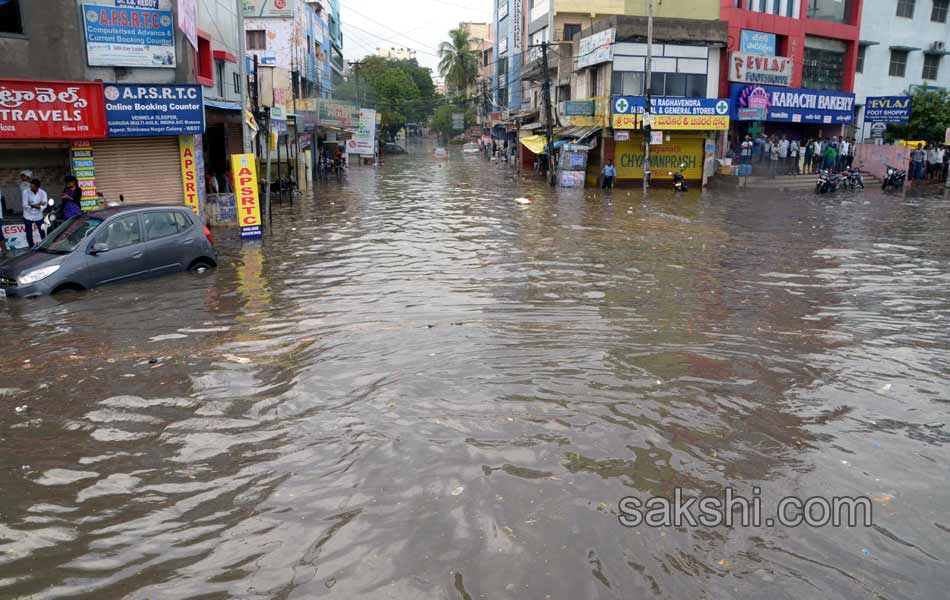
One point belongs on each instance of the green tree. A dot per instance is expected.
(929, 116)
(400, 90)
(458, 61)
(442, 119)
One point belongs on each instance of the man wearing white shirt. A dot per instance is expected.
(34, 200)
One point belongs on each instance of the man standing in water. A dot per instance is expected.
(34, 200)
(609, 173)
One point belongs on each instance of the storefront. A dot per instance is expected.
(224, 136)
(683, 136)
(47, 128)
(796, 113)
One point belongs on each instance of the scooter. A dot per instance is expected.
(49, 218)
(893, 178)
(827, 182)
(853, 179)
(679, 182)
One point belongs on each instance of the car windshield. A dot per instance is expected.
(70, 234)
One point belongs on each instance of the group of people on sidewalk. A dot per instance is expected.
(794, 157)
(929, 162)
(34, 201)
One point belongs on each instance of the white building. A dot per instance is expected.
(903, 44)
(396, 53)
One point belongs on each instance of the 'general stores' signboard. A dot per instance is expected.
(339, 114)
(745, 67)
(51, 110)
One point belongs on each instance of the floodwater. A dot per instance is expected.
(419, 388)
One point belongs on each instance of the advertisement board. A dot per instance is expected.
(579, 108)
(191, 182)
(671, 112)
(364, 142)
(154, 110)
(756, 68)
(793, 105)
(82, 161)
(127, 37)
(757, 42)
(339, 114)
(268, 8)
(682, 149)
(596, 49)
(887, 109)
(51, 110)
(188, 20)
(247, 198)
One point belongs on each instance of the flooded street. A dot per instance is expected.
(419, 388)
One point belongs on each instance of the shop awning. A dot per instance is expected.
(904, 48)
(222, 105)
(578, 133)
(532, 126)
(535, 143)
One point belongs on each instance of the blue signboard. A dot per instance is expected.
(672, 105)
(154, 110)
(791, 105)
(579, 108)
(887, 109)
(128, 37)
(757, 42)
(152, 4)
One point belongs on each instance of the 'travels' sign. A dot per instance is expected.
(745, 67)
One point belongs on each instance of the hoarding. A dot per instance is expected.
(757, 42)
(671, 112)
(189, 154)
(596, 49)
(339, 114)
(756, 68)
(268, 8)
(126, 37)
(364, 142)
(247, 198)
(793, 105)
(51, 110)
(84, 170)
(134, 110)
(887, 109)
(188, 20)
(684, 152)
(579, 108)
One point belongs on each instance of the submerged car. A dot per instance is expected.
(108, 246)
(471, 148)
(391, 148)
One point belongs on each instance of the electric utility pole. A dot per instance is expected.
(646, 113)
(552, 176)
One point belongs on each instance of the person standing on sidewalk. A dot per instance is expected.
(783, 155)
(745, 157)
(773, 157)
(917, 162)
(843, 149)
(71, 198)
(794, 151)
(609, 173)
(34, 200)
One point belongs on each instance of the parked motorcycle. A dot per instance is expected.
(48, 223)
(893, 178)
(852, 179)
(827, 182)
(679, 182)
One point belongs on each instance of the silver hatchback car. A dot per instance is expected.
(109, 246)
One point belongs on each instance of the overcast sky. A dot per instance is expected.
(417, 24)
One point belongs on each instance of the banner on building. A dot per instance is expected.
(756, 68)
(364, 142)
(790, 105)
(335, 113)
(188, 21)
(192, 163)
(757, 42)
(51, 110)
(125, 37)
(579, 108)
(268, 8)
(458, 121)
(247, 198)
(83, 166)
(671, 112)
(596, 49)
(887, 109)
(516, 26)
(152, 4)
(682, 151)
(154, 110)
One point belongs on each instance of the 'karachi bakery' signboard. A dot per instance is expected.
(787, 105)
(745, 67)
(672, 113)
(51, 110)
(128, 37)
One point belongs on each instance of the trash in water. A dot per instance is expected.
(725, 564)
(865, 552)
(882, 499)
(884, 388)
(458, 490)
(522, 200)
(22, 409)
(238, 359)
(152, 361)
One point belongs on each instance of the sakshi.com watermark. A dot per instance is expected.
(732, 509)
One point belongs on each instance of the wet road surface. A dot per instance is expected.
(418, 388)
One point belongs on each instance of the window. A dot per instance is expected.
(592, 86)
(122, 232)
(256, 39)
(676, 84)
(862, 50)
(931, 66)
(898, 63)
(905, 8)
(204, 60)
(570, 31)
(836, 11)
(486, 57)
(503, 30)
(220, 65)
(160, 224)
(183, 220)
(661, 84)
(939, 11)
(695, 86)
(10, 19)
(823, 64)
(237, 82)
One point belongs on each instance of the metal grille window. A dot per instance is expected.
(823, 69)
(256, 39)
(570, 31)
(939, 11)
(905, 8)
(862, 51)
(898, 63)
(931, 66)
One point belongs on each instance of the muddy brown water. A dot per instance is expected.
(419, 388)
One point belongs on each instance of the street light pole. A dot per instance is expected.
(646, 112)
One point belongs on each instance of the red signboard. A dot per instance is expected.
(51, 110)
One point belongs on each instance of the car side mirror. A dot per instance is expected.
(99, 248)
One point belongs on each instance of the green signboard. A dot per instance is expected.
(334, 113)
(579, 108)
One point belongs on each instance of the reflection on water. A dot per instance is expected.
(418, 388)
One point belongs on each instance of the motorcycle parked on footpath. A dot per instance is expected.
(852, 179)
(893, 178)
(827, 182)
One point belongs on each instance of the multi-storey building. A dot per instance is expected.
(903, 45)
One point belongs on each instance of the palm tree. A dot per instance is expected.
(459, 61)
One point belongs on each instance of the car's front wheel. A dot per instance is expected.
(201, 266)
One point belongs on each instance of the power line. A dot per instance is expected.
(389, 40)
(350, 8)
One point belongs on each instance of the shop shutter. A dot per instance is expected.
(143, 170)
(235, 141)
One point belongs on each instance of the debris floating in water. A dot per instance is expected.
(458, 490)
(523, 200)
(22, 409)
(238, 359)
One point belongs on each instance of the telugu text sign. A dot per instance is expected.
(126, 37)
(745, 67)
(596, 49)
(669, 112)
(51, 110)
(887, 109)
(154, 110)
(246, 196)
(757, 42)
